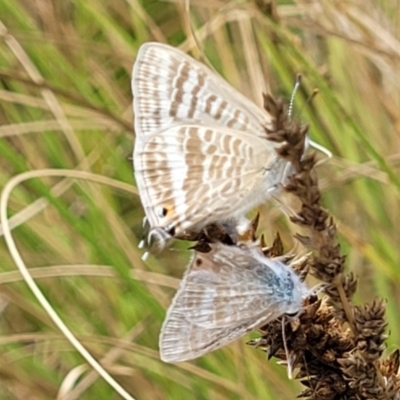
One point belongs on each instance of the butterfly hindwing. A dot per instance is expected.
(224, 294)
(190, 175)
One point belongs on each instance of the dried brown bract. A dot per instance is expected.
(335, 346)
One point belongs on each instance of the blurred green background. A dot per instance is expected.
(66, 119)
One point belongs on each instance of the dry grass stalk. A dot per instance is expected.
(336, 346)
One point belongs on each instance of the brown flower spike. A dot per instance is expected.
(337, 347)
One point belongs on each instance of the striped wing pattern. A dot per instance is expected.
(201, 153)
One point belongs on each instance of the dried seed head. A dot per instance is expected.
(370, 326)
(335, 345)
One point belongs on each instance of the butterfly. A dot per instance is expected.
(225, 293)
(201, 153)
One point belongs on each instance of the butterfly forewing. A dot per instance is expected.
(224, 294)
(170, 87)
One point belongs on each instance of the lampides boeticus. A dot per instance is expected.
(201, 152)
(225, 293)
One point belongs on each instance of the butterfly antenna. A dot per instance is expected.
(292, 97)
(310, 142)
(320, 148)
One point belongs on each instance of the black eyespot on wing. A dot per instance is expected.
(162, 212)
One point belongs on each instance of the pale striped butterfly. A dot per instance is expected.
(201, 152)
(225, 293)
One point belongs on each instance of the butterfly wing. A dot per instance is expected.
(224, 294)
(191, 175)
(182, 340)
(170, 87)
